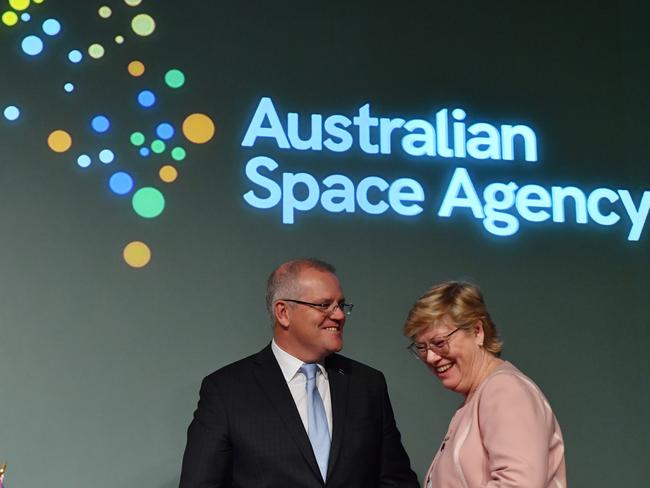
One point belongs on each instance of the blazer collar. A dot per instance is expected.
(269, 376)
(338, 379)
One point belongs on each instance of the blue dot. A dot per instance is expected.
(75, 56)
(84, 160)
(51, 27)
(144, 152)
(165, 131)
(12, 112)
(120, 183)
(68, 87)
(146, 98)
(32, 45)
(106, 156)
(25, 17)
(100, 123)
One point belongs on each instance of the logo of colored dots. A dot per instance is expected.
(163, 139)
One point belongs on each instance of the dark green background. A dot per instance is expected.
(100, 364)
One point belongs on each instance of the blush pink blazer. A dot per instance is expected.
(504, 436)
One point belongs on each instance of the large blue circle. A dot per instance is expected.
(32, 45)
(120, 183)
(146, 98)
(165, 131)
(51, 27)
(100, 123)
(68, 87)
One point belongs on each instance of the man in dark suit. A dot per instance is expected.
(297, 414)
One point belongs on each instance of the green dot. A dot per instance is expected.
(178, 153)
(137, 138)
(148, 202)
(158, 146)
(174, 78)
(143, 24)
(96, 51)
(105, 12)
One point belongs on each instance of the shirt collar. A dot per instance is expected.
(290, 364)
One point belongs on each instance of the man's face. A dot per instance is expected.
(311, 334)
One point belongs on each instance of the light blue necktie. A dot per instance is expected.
(319, 434)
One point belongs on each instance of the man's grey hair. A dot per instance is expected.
(283, 281)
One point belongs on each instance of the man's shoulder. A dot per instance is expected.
(241, 367)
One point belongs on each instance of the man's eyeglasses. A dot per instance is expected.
(439, 345)
(326, 307)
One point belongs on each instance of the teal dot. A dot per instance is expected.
(174, 78)
(178, 153)
(137, 138)
(158, 146)
(148, 202)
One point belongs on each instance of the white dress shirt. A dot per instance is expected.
(297, 383)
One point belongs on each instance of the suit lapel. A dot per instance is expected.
(338, 380)
(269, 376)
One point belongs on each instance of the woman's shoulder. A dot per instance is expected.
(507, 388)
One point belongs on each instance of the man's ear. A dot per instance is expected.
(282, 314)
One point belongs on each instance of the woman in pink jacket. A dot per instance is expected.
(504, 434)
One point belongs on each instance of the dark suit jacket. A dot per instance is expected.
(247, 433)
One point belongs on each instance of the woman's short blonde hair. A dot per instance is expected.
(462, 303)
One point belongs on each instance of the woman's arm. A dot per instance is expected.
(516, 425)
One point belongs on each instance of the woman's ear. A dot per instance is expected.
(479, 333)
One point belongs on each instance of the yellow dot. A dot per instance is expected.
(143, 24)
(133, 3)
(136, 68)
(19, 4)
(96, 51)
(198, 128)
(168, 173)
(38, 1)
(59, 141)
(9, 18)
(137, 254)
(105, 12)
(119, 39)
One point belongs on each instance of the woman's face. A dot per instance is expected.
(458, 365)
